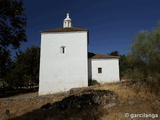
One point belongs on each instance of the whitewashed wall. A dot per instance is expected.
(110, 70)
(60, 72)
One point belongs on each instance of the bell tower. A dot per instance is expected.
(67, 22)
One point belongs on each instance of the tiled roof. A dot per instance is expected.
(100, 56)
(67, 29)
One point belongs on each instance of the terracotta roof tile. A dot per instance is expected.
(67, 29)
(100, 56)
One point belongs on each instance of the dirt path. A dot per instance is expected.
(33, 94)
(23, 103)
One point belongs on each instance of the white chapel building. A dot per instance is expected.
(65, 62)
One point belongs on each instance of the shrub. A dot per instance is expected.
(92, 82)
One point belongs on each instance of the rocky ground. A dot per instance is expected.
(86, 99)
(104, 102)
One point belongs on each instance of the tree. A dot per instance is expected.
(12, 29)
(32, 61)
(144, 56)
(114, 53)
(5, 63)
(26, 68)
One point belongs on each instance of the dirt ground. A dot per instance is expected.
(23, 103)
(33, 94)
(133, 103)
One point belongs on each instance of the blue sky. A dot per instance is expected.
(111, 23)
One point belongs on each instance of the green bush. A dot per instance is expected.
(93, 82)
(144, 58)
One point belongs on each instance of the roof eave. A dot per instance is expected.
(67, 29)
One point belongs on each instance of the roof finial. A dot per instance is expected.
(67, 15)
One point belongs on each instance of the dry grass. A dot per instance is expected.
(143, 102)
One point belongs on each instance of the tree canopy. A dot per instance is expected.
(12, 30)
(25, 70)
(114, 53)
(144, 56)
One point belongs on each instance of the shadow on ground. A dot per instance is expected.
(68, 114)
(13, 92)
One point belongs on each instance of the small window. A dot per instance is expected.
(63, 49)
(99, 70)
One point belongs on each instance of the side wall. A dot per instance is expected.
(59, 71)
(110, 70)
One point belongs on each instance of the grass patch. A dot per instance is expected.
(144, 101)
